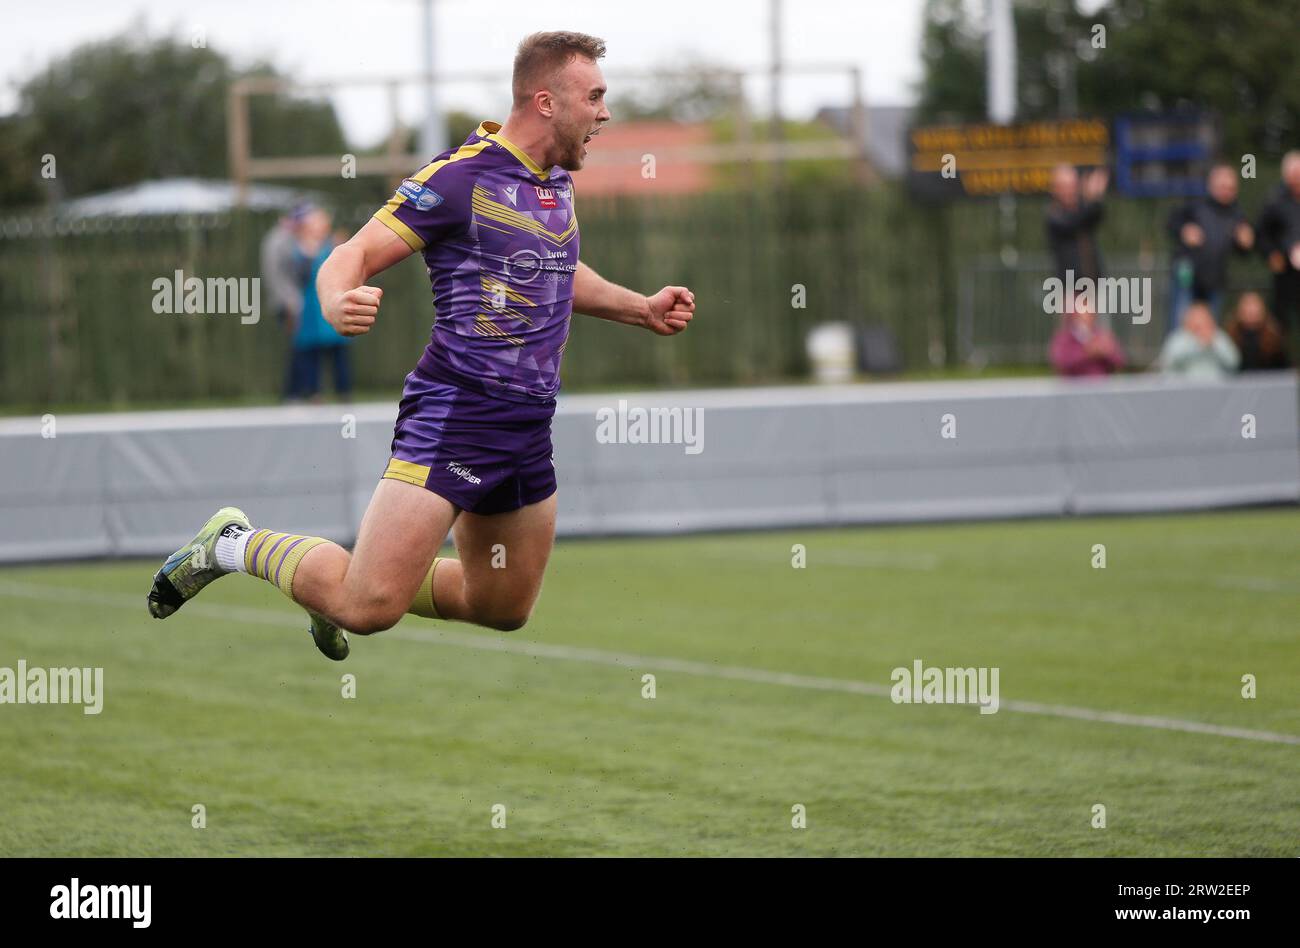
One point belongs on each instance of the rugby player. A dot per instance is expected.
(471, 450)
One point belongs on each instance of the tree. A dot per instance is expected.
(1053, 53)
(952, 59)
(132, 108)
(1236, 61)
(698, 95)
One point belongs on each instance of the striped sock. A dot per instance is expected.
(275, 556)
(423, 604)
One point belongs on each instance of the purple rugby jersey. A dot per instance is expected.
(500, 241)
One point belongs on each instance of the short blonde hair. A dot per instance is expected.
(542, 55)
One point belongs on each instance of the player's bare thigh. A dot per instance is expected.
(503, 557)
(400, 534)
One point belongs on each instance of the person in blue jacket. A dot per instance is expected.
(313, 339)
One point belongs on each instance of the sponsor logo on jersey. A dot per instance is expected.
(422, 197)
(525, 266)
(545, 197)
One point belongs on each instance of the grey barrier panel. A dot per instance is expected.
(948, 454)
(52, 494)
(755, 466)
(139, 483)
(1164, 446)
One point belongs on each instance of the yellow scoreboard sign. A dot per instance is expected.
(955, 161)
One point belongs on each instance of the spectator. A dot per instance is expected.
(1072, 220)
(1199, 349)
(1081, 347)
(1205, 231)
(279, 272)
(315, 339)
(1257, 335)
(1279, 242)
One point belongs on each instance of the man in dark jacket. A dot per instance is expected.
(1072, 220)
(1279, 242)
(1204, 231)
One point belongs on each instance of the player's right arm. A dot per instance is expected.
(415, 216)
(347, 301)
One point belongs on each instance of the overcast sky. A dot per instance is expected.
(366, 38)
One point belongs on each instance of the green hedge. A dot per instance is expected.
(77, 324)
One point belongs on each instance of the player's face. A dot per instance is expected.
(580, 111)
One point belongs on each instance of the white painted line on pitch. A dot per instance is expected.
(758, 676)
(1258, 584)
(857, 559)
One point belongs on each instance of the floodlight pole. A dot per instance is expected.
(774, 35)
(1001, 85)
(433, 133)
(1001, 74)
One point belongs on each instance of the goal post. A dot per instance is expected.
(396, 160)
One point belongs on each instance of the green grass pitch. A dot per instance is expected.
(227, 704)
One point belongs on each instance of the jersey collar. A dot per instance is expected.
(492, 132)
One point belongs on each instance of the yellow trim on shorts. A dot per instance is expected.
(407, 471)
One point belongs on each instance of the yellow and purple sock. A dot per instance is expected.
(275, 556)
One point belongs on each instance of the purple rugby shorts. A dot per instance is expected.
(485, 454)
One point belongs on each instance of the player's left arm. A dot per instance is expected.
(667, 313)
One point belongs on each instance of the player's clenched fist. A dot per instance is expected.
(670, 310)
(353, 312)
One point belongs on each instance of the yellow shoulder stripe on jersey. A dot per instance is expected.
(492, 132)
(385, 214)
(460, 154)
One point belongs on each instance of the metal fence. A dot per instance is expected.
(1001, 318)
(77, 328)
